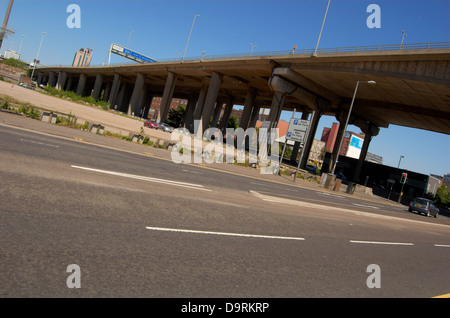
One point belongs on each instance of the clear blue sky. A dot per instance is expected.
(161, 29)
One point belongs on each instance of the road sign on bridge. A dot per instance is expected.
(297, 129)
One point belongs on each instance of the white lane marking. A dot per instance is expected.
(149, 179)
(305, 204)
(192, 171)
(366, 206)
(39, 143)
(226, 234)
(271, 186)
(380, 243)
(330, 195)
(441, 245)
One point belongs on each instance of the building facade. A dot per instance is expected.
(82, 58)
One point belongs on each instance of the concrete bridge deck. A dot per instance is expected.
(412, 87)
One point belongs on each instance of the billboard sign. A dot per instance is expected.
(129, 54)
(355, 146)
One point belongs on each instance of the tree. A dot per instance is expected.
(443, 196)
(176, 116)
(233, 122)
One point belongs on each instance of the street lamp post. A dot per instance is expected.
(128, 43)
(321, 29)
(403, 36)
(20, 47)
(195, 16)
(37, 55)
(400, 161)
(348, 118)
(253, 46)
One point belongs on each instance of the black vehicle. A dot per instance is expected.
(423, 206)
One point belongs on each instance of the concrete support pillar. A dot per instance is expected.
(97, 87)
(136, 97)
(141, 102)
(81, 85)
(227, 113)
(121, 97)
(275, 109)
(362, 157)
(69, 84)
(167, 97)
(254, 117)
(39, 79)
(107, 92)
(147, 104)
(335, 153)
(61, 82)
(51, 79)
(189, 115)
(210, 100)
(317, 114)
(248, 106)
(114, 91)
(200, 103)
(216, 115)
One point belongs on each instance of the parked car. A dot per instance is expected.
(341, 176)
(424, 206)
(311, 169)
(165, 127)
(151, 124)
(26, 86)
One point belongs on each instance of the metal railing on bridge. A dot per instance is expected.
(309, 52)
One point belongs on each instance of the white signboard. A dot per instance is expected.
(129, 54)
(297, 129)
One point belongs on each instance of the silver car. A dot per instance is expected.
(165, 127)
(423, 206)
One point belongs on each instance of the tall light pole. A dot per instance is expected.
(348, 118)
(403, 36)
(5, 22)
(37, 55)
(21, 42)
(128, 43)
(195, 16)
(400, 161)
(321, 29)
(253, 46)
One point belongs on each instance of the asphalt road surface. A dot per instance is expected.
(138, 226)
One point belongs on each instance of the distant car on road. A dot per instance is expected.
(341, 176)
(165, 127)
(423, 206)
(151, 124)
(26, 86)
(311, 169)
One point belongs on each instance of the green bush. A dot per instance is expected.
(30, 111)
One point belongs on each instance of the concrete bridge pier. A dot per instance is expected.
(97, 86)
(190, 109)
(210, 102)
(226, 114)
(114, 90)
(167, 97)
(81, 85)
(248, 107)
(61, 82)
(136, 98)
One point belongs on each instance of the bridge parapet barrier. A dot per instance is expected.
(96, 128)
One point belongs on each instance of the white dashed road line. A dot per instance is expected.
(226, 234)
(149, 179)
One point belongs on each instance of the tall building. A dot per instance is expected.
(82, 58)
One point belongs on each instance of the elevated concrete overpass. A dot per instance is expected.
(412, 90)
